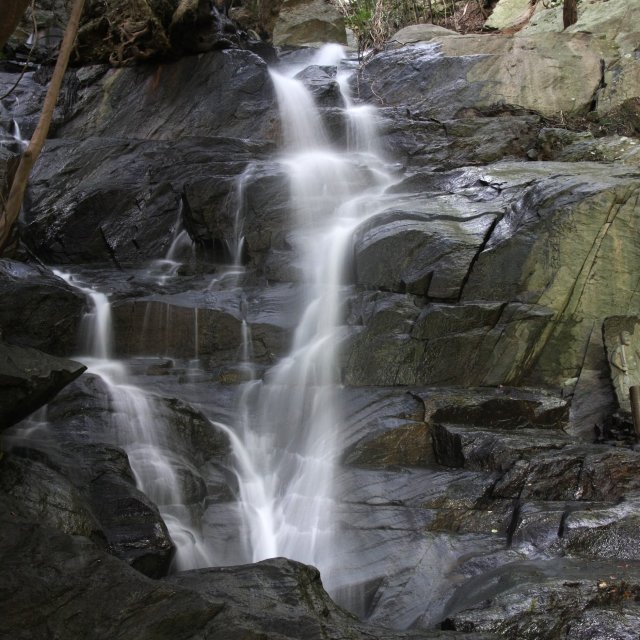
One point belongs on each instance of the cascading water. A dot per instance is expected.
(287, 437)
(140, 429)
(181, 250)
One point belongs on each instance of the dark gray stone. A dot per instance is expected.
(29, 379)
(97, 212)
(219, 93)
(550, 599)
(321, 82)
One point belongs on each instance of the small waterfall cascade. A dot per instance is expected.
(235, 244)
(11, 137)
(180, 250)
(140, 428)
(287, 436)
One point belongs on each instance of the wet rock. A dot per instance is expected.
(475, 448)
(41, 494)
(541, 336)
(426, 142)
(494, 353)
(59, 576)
(321, 82)
(220, 93)
(77, 590)
(43, 312)
(574, 315)
(20, 111)
(609, 474)
(439, 236)
(129, 520)
(29, 379)
(382, 354)
(385, 428)
(253, 204)
(405, 444)
(208, 325)
(201, 442)
(547, 599)
(549, 476)
(506, 408)
(602, 531)
(76, 443)
(99, 213)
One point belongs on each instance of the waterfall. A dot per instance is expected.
(181, 249)
(140, 428)
(286, 438)
(286, 431)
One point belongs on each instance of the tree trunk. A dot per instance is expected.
(569, 13)
(11, 210)
(10, 13)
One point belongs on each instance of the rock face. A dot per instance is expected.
(43, 312)
(509, 14)
(148, 213)
(456, 74)
(159, 101)
(72, 463)
(494, 302)
(484, 293)
(308, 22)
(212, 604)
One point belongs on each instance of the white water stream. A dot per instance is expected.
(140, 428)
(287, 437)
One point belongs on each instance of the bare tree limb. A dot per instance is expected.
(11, 210)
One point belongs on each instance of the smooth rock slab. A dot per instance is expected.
(419, 141)
(53, 583)
(546, 599)
(424, 247)
(29, 379)
(209, 324)
(41, 310)
(307, 22)
(220, 93)
(84, 208)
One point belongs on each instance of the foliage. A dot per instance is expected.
(374, 21)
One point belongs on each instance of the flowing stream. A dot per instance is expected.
(286, 439)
